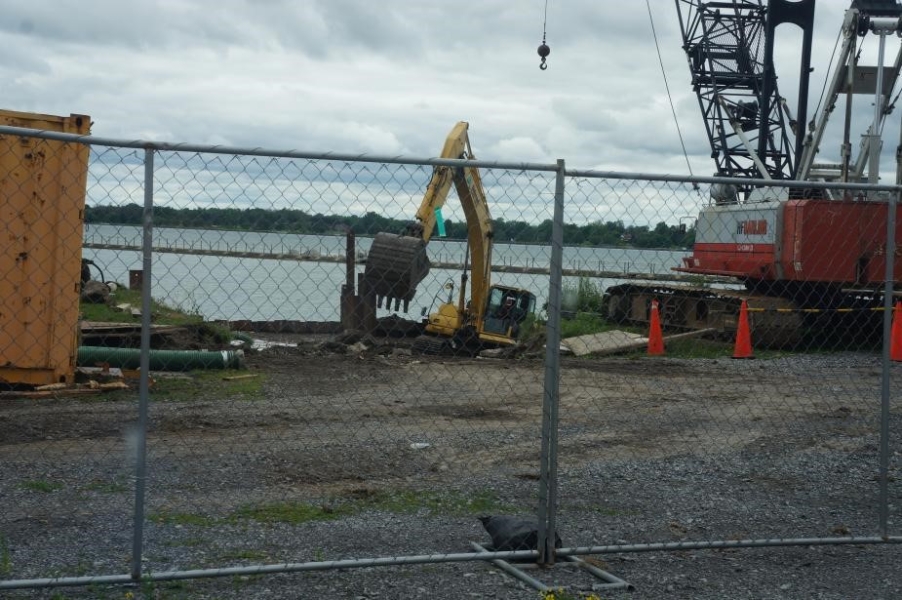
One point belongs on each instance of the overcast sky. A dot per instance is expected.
(388, 77)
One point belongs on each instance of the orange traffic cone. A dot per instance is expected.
(655, 337)
(895, 338)
(743, 348)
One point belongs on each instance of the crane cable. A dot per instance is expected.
(823, 95)
(667, 87)
(545, 22)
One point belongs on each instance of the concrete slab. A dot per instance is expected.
(608, 342)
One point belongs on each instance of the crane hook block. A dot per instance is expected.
(544, 51)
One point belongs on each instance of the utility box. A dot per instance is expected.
(42, 204)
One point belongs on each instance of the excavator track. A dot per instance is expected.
(430, 344)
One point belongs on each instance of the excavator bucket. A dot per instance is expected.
(395, 265)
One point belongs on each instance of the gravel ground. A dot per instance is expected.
(652, 450)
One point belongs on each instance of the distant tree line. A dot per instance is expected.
(612, 233)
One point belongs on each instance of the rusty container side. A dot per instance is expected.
(42, 202)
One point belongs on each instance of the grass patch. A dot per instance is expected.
(694, 347)
(400, 502)
(107, 487)
(253, 555)
(208, 384)
(193, 542)
(437, 503)
(40, 485)
(163, 590)
(165, 518)
(294, 513)
(162, 313)
(532, 326)
(585, 296)
(199, 333)
(585, 323)
(708, 348)
(193, 386)
(6, 557)
(248, 388)
(78, 569)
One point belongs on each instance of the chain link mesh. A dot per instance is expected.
(284, 431)
(694, 445)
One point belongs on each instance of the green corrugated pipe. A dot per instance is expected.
(160, 360)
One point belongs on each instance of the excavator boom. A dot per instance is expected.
(396, 263)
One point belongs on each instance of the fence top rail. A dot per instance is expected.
(92, 140)
(591, 174)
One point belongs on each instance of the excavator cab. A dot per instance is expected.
(506, 310)
(497, 322)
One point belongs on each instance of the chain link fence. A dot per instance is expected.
(243, 408)
(782, 449)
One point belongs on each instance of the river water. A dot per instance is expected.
(225, 287)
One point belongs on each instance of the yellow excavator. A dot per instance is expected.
(396, 263)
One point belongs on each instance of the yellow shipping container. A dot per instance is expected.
(42, 203)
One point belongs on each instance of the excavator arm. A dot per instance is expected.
(397, 263)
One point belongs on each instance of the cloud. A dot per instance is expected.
(393, 77)
(524, 147)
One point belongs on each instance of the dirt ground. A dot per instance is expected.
(651, 450)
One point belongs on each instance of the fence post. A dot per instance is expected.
(885, 376)
(548, 467)
(144, 381)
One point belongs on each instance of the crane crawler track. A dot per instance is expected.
(686, 308)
